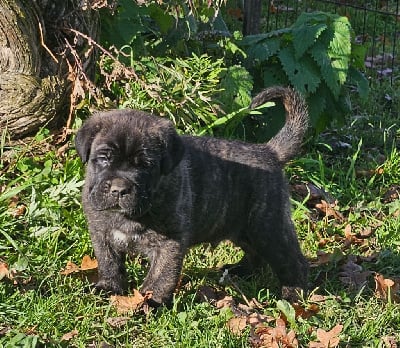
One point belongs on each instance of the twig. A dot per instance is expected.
(42, 42)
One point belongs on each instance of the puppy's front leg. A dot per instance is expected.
(111, 264)
(165, 268)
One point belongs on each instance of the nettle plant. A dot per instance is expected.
(318, 56)
(190, 68)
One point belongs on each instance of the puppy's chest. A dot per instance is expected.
(131, 241)
(121, 239)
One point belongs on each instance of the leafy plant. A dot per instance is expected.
(196, 93)
(317, 56)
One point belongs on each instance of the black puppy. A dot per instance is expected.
(150, 191)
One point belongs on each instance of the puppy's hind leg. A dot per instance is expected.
(281, 250)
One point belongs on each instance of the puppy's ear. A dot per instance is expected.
(84, 139)
(174, 150)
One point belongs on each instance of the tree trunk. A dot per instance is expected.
(252, 16)
(37, 52)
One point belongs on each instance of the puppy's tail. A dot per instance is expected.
(286, 143)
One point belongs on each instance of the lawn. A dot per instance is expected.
(345, 188)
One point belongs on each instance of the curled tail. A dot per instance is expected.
(286, 143)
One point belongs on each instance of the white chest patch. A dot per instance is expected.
(119, 236)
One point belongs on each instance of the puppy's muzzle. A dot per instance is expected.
(120, 188)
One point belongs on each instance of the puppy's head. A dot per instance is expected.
(127, 152)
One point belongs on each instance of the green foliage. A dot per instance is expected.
(194, 92)
(165, 44)
(317, 56)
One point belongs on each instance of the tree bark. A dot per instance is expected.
(37, 52)
(252, 16)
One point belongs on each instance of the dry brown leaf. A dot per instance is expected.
(225, 302)
(392, 194)
(4, 272)
(324, 258)
(70, 268)
(264, 336)
(327, 339)
(390, 341)
(318, 298)
(305, 313)
(19, 211)
(365, 232)
(126, 304)
(69, 335)
(236, 325)
(352, 274)
(351, 238)
(328, 210)
(386, 288)
(88, 263)
(255, 319)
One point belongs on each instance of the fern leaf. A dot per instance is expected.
(304, 74)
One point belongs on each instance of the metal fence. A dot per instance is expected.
(375, 23)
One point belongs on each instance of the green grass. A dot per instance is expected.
(42, 227)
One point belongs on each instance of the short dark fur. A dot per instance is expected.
(150, 191)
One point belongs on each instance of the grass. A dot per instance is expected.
(42, 227)
(354, 167)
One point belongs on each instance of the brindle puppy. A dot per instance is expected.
(150, 191)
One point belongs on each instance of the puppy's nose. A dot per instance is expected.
(119, 187)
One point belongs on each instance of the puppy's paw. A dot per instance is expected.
(108, 287)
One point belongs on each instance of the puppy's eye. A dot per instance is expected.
(102, 161)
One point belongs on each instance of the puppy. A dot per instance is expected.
(150, 191)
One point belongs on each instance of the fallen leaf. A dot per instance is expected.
(274, 337)
(255, 319)
(70, 268)
(352, 274)
(19, 211)
(328, 210)
(327, 339)
(69, 335)
(4, 272)
(318, 298)
(4, 330)
(225, 302)
(236, 325)
(87, 270)
(305, 312)
(88, 263)
(386, 288)
(351, 238)
(365, 232)
(126, 304)
(392, 194)
(390, 341)
(324, 258)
